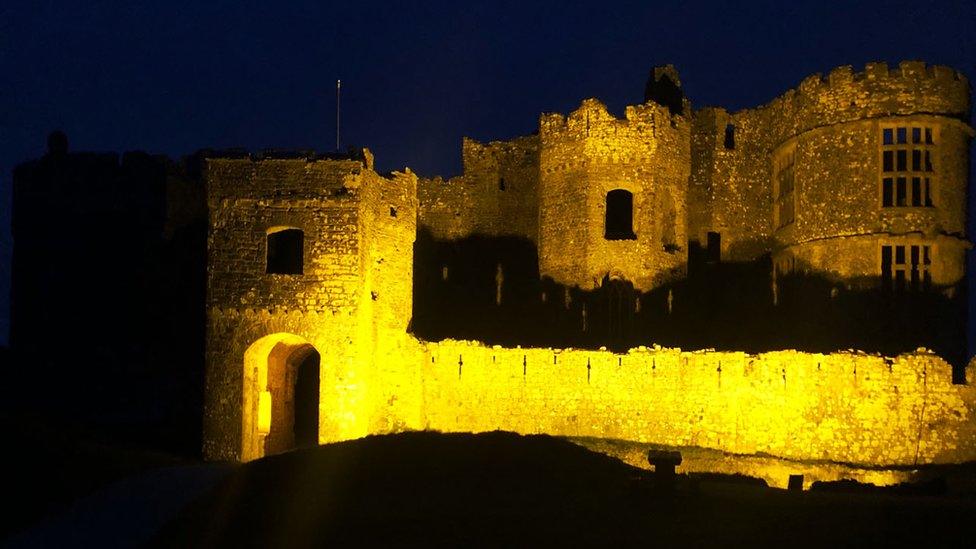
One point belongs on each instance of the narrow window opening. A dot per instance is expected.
(501, 183)
(901, 192)
(619, 223)
(729, 136)
(886, 266)
(393, 211)
(285, 251)
(887, 193)
(714, 250)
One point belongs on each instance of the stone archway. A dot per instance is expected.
(281, 396)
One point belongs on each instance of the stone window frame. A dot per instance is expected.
(904, 256)
(784, 170)
(908, 180)
(614, 196)
(267, 249)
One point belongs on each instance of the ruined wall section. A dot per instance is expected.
(496, 196)
(589, 153)
(841, 222)
(246, 198)
(353, 247)
(833, 126)
(702, 178)
(842, 407)
(732, 183)
(388, 228)
(877, 92)
(388, 215)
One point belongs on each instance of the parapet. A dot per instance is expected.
(592, 118)
(285, 174)
(844, 95)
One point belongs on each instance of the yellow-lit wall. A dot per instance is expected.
(589, 153)
(842, 407)
(353, 303)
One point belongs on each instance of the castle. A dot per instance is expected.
(858, 178)
(339, 300)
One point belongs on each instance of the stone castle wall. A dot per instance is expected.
(842, 407)
(589, 153)
(352, 302)
(496, 196)
(833, 125)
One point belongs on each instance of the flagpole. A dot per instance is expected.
(338, 87)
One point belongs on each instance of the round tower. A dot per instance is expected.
(869, 174)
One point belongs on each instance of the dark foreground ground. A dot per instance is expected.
(501, 489)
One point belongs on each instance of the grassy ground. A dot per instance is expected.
(47, 464)
(501, 489)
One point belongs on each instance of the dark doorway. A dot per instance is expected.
(293, 381)
(307, 402)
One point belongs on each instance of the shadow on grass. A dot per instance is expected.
(502, 489)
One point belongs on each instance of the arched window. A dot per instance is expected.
(620, 216)
(285, 251)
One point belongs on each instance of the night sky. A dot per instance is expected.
(175, 77)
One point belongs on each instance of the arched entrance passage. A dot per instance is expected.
(281, 396)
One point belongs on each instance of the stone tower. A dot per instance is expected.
(612, 195)
(309, 287)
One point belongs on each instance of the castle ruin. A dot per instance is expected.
(320, 269)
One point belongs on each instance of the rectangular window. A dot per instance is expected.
(905, 156)
(784, 202)
(905, 267)
(887, 192)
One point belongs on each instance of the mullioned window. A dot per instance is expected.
(906, 267)
(906, 165)
(784, 203)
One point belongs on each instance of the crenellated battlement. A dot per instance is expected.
(592, 119)
(879, 90)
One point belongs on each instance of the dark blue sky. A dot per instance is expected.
(178, 76)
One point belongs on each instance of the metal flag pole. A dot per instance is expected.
(338, 87)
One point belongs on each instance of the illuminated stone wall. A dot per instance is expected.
(589, 153)
(834, 126)
(842, 407)
(352, 303)
(496, 196)
(688, 180)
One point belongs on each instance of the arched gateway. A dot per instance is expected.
(281, 396)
